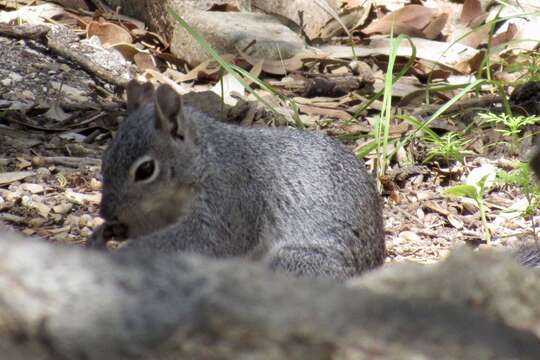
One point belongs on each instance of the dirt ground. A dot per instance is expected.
(56, 119)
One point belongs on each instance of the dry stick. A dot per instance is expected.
(460, 105)
(26, 31)
(42, 34)
(85, 63)
(74, 162)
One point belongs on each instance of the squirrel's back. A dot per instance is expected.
(180, 180)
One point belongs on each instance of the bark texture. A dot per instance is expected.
(71, 303)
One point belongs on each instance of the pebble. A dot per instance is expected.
(84, 220)
(15, 77)
(42, 171)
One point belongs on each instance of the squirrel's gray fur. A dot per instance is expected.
(294, 199)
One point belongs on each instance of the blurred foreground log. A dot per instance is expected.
(68, 303)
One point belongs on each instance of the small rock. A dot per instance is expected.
(84, 220)
(26, 200)
(409, 236)
(95, 184)
(63, 208)
(12, 195)
(71, 220)
(86, 232)
(95, 222)
(33, 188)
(27, 94)
(56, 217)
(227, 31)
(28, 232)
(37, 222)
(6, 82)
(15, 77)
(43, 172)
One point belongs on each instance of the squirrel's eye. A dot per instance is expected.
(145, 170)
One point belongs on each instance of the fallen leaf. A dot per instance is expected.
(11, 177)
(505, 37)
(145, 61)
(410, 20)
(436, 51)
(229, 84)
(56, 113)
(208, 67)
(63, 208)
(108, 33)
(278, 67)
(470, 11)
(454, 221)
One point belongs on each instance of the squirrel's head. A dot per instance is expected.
(150, 167)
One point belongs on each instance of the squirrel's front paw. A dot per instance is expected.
(105, 232)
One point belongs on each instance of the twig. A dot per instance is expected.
(74, 162)
(26, 31)
(460, 105)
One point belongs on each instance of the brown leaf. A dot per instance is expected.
(145, 61)
(224, 7)
(108, 33)
(352, 18)
(506, 36)
(410, 20)
(207, 67)
(128, 51)
(434, 29)
(472, 9)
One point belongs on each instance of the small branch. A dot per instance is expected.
(26, 31)
(74, 162)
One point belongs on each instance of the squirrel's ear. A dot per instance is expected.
(138, 94)
(169, 111)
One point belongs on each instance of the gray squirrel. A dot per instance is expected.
(174, 179)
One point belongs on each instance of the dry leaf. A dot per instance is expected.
(454, 221)
(352, 18)
(506, 36)
(433, 30)
(224, 7)
(410, 20)
(128, 51)
(276, 67)
(472, 9)
(108, 33)
(11, 177)
(145, 61)
(56, 113)
(208, 67)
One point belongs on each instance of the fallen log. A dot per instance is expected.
(70, 303)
